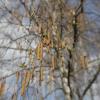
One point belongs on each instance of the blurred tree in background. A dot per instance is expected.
(49, 49)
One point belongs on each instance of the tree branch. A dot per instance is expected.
(91, 82)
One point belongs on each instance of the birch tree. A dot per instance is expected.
(45, 44)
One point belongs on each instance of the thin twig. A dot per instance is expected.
(91, 82)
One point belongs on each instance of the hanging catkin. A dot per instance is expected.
(23, 88)
(2, 88)
(17, 76)
(28, 77)
(83, 61)
(49, 38)
(39, 51)
(53, 60)
(25, 82)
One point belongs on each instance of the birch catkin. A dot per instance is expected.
(2, 88)
(17, 76)
(39, 51)
(53, 62)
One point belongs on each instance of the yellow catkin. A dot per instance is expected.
(28, 77)
(49, 38)
(23, 88)
(39, 51)
(2, 88)
(17, 76)
(83, 61)
(53, 60)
